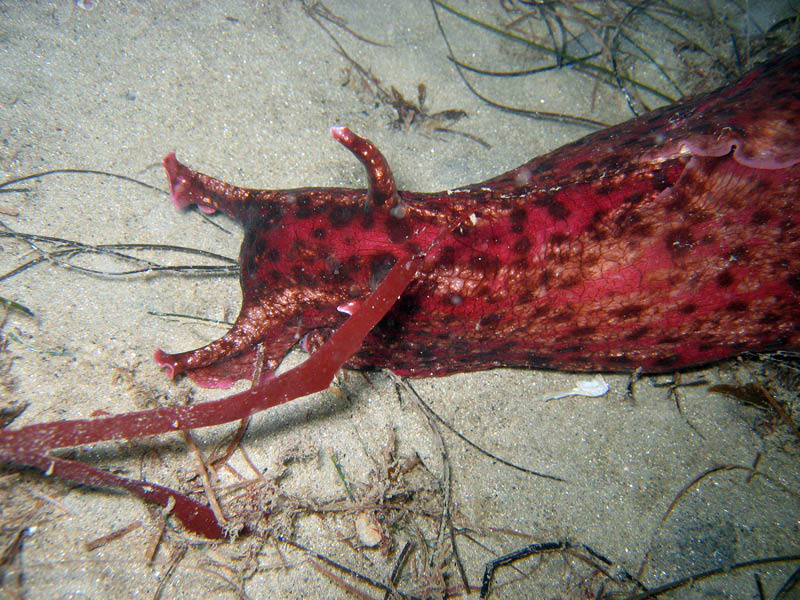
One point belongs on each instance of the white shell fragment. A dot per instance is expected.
(592, 388)
(368, 529)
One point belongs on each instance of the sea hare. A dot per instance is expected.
(669, 241)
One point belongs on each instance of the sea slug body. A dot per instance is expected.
(669, 241)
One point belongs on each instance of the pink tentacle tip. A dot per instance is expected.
(342, 135)
(177, 183)
(164, 360)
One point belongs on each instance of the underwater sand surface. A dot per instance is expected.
(246, 92)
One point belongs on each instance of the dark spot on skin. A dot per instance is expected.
(448, 319)
(269, 217)
(609, 163)
(641, 230)
(545, 165)
(770, 319)
(583, 165)
(425, 353)
(736, 306)
(627, 219)
(545, 277)
(341, 214)
(519, 265)
(670, 339)
(303, 207)
(540, 311)
(659, 181)
(379, 266)
(569, 281)
(666, 361)
(522, 245)
(408, 305)
(570, 349)
(563, 317)
(620, 359)
(724, 279)
(679, 241)
(703, 128)
(273, 255)
(760, 217)
(413, 248)
(555, 208)
(688, 309)
(629, 311)
(558, 238)
(794, 281)
(490, 321)
(584, 331)
(399, 229)
(302, 276)
(368, 218)
(635, 198)
(637, 333)
(517, 218)
(484, 263)
(604, 189)
(525, 298)
(738, 253)
(678, 201)
(319, 233)
(447, 257)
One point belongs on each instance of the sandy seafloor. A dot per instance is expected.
(247, 92)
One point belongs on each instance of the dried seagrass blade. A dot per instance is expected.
(28, 446)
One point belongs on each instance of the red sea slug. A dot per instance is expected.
(665, 242)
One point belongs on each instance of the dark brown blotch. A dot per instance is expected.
(302, 276)
(447, 257)
(555, 208)
(379, 265)
(341, 214)
(637, 333)
(760, 217)
(584, 331)
(635, 198)
(736, 306)
(490, 321)
(268, 217)
(517, 217)
(302, 207)
(522, 245)
(484, 263)
(666, 361)
(725, 279)
(678, 201)
(679, 241)
(399, 229)
(629, 311)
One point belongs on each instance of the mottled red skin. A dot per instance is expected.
(669, 241)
